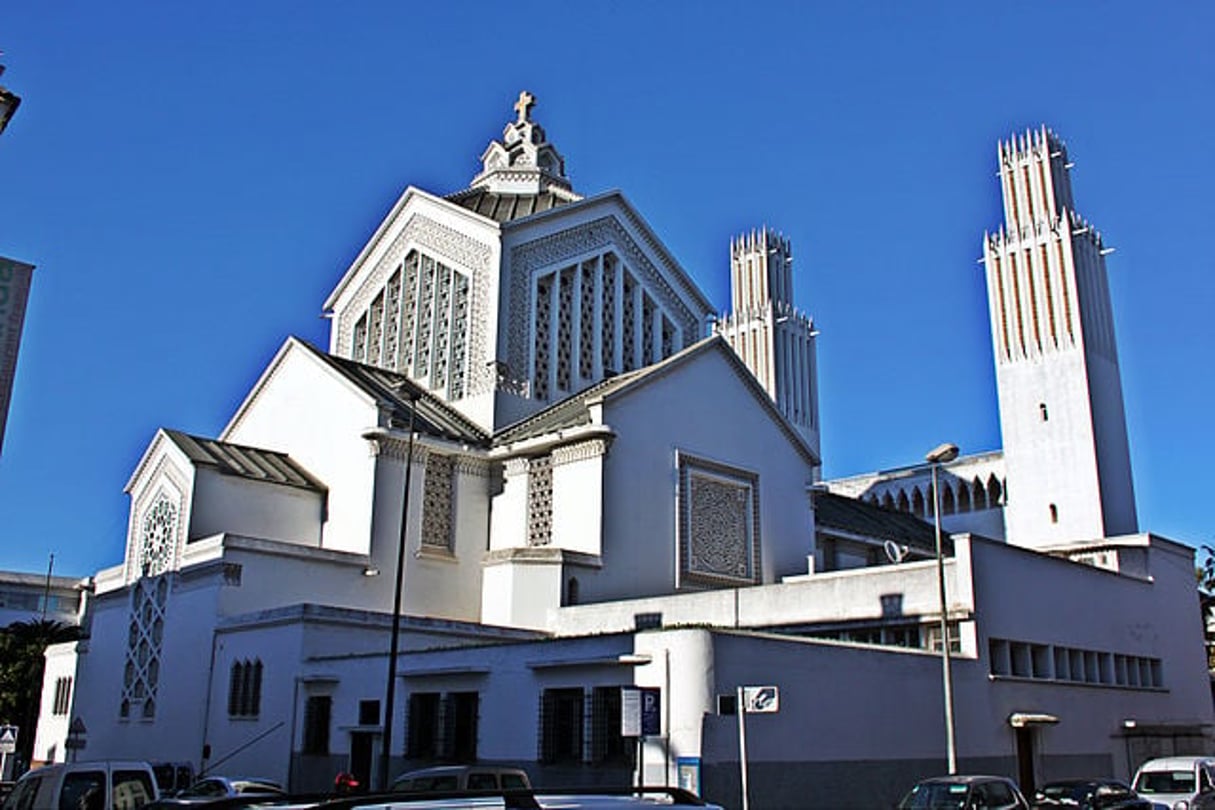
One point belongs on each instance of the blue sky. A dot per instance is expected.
(191, 181)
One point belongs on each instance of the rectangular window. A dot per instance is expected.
(422, 726)
(317, 712)
(606, 743)
(459, 742)
(561, 725)
(369, 712)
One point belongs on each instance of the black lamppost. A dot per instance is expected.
(394, 644)
(943, 455)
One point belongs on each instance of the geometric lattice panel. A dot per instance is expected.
(719, 540)
(145, 642)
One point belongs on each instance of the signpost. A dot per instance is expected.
(640, 717)
(75, 737)
(752, 700)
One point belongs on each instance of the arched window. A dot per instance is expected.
(904, 505)
(993, 491)
(887, 501)
(963, 496)
(917, 502)
(980, 495)
(1054, 513)
(947, 500)
(1042, 411)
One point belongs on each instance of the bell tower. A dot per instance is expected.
(774, 339)
(1060, 391)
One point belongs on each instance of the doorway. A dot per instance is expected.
(362, 757)
(1025, 759)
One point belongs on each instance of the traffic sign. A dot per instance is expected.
(761, 699)
(8, 739)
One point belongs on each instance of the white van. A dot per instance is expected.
(1174, 782)
(102, 785)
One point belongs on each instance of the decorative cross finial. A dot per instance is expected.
(524, 106)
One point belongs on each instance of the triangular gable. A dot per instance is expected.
(410, 197)
(649, 240)
(384, 390)
(718, 345)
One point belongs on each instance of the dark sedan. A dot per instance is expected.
(1089, 794)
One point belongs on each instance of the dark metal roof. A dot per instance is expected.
(506, 207)
(572, 411)
(247, 462)
(859, 518)
(397, 393)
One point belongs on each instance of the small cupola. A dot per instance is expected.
(523, 162)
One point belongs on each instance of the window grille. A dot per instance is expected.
(607, 746)
(245, 688)
(561, 725)
(437, 502)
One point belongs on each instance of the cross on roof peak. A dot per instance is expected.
(524, 106)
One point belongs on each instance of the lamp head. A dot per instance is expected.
(942, 454)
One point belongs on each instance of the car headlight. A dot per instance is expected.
(1181, 805)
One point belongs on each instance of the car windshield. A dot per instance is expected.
(935, 796)
(1165, 782)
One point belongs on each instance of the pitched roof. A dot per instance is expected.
(856, 517)
(507, 207)
(570, 412)
(574, 410)
(253, 463)
(398, 393)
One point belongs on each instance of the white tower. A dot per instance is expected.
(773, 339)
(1065, 447)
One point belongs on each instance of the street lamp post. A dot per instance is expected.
(394, 643)
(944, 454)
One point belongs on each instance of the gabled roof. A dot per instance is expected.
(574, 410)
(253, 463)
(397, 393)
(506, 207)
(861, 519)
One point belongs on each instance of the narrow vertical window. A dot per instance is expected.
(1054, 513)
(1042, 411)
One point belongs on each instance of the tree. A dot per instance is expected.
(22, 645)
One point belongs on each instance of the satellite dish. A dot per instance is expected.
(894, 552)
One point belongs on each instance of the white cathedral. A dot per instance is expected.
(591, 480)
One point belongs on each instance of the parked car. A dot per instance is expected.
(216, 787)
(1089, 794)
(964, 793)
(101, 785)
(1174, 782)
(462, 777)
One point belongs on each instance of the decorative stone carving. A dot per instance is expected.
(719, 539)
(452, 245)
(567, 246)
(581, 451)
(145, 640)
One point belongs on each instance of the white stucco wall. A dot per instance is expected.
(722, 423)
(61, 662)
(305, 409)
(228, 503)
